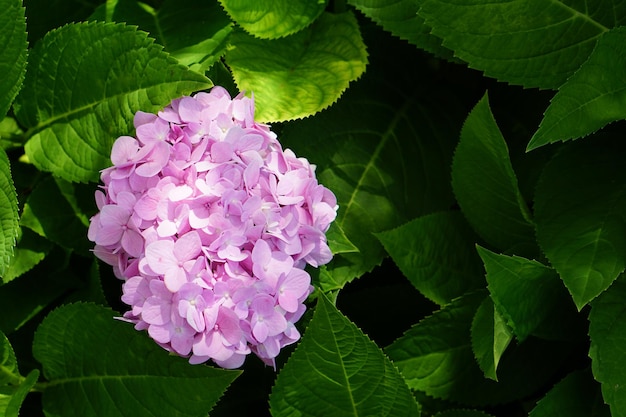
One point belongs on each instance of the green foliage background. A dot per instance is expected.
(476, 151)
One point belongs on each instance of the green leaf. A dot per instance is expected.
(49, 214)
(462, 413)
(13, 52)
(529, 295)
(486, 186)
(577, 395)
(9, 374)
(401, 19)
(385, 155)
(10, 134)
(99, 366)
(9, 216)
(338, 241)
(435, 356)
(11, 402)
(198, 43)
(591, 98)
(337, 370)
(607, 331)
(271, 19)
(30, 250)
(302, 74)
(580, 212)
(113, 71)
(534, 43)
(490, 338)
(436, 253)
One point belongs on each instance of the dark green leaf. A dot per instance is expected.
(99, 366)
(385, 156)
(338, 241)
(435, 356)
(400, 18)
(436, 253)
(591, 98)
(534, 43)
(9, 216)
(113, 71)
(13, 52)
(271, 19)
(462, 413)
(302, 74)
(529, 295)
(490, 338)
(577, 395)
(30, 250)
(10, 403)
(607, 331)
(338, 371)
(9, 374)
(197, 43)
(486, 186)
(580, 211)
(48, 213)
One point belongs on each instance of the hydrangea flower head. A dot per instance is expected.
(210, 224)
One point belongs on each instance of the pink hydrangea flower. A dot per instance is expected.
(210, 224)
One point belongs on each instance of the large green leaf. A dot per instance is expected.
(98, 366)
(385, 155)
(435, 356)
(31, 249)
(9, 216)
(338, 371)
(9, 374)
(592, 97)
(197, 43)
(580, 211)
(84, 83)
(486, 186)
(530, 296)
(490, 338)
(436, 253)
(534, 43)
(607, 331)
(400, 18)
(577, 395)
(12, 53)
(300, 75)
(271, 19)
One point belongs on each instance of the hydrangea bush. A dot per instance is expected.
(210, 225)
(312, 208)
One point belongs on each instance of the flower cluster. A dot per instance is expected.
(210, 224)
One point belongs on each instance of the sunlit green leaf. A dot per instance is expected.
(534, 43)
(490, 338)
(270, 19)
(607, 331)
(197, 43)
(13, 51)
(436, 253)
(591, 98)
(577, 395)
(337, 370)
(113, 71)
(9, 216)
(580, 211)
(302, 74)
(400, 18)
(98, 366)
(486, 186)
